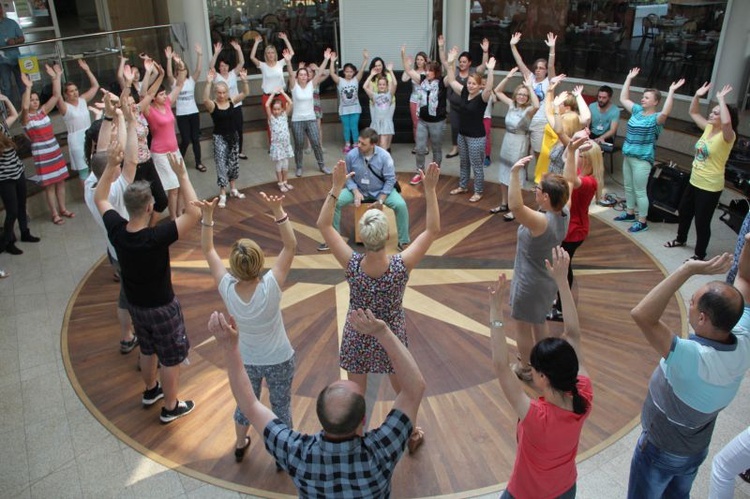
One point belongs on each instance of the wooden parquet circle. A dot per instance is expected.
(470, 429)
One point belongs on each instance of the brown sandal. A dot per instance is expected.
(415, 440)
(57, 220)
(68, 214)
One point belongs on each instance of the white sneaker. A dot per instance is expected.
(222, 201)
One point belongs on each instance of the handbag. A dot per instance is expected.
(396, 186)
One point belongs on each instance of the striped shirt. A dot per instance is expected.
(11, 167)
(641, 135)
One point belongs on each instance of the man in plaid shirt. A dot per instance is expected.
(338, 461)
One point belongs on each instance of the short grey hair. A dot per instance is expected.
(373, 229)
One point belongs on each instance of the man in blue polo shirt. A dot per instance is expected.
(605, 117)
(696, 378)
(10, 34)
(339, 461)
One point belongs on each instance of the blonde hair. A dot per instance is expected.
(571, 123)
(595, 158)
(246, 259)
(518, 88)
(373, 229)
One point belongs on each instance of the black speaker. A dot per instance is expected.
(666, 184)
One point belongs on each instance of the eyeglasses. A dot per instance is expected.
(539, 188)
(522, 95)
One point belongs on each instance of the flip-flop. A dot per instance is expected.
(200, 168)
(239, 453)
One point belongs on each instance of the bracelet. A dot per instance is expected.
(283, 219)
(496, 324)
(332, 195)
(208, 225)
(107, 118)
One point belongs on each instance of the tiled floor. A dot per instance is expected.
(50, 446)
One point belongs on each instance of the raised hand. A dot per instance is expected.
(115, 154)
(168, 53)
(84, 65)
(273, 201)
(389, 66)
(365, 322)
(286, 54)
(557, 79)
(217, 47)
(529, 82)
(453, 55)
(496, 293)
(177, 166)
(558, 269)
(26, 80)
(242, 74)
(211, 75)
(198, 49)
(719, 264)
(703, 90)
(431, 177)
(224, 331)
(521, 163)
(334, 57)
(491, 64)
(207, 208)
(50, 71)
(339, 175)
(441, 41)
(257, 38)
(633, 73)
(235, 45)
(485, 45)
(515, 38)
(560, 98)
(676, 84)
(512, 72)
(282, 35)
(366, 54)
(551, 39)
(327, 53)
(723, 92)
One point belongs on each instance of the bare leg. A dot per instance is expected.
(170, 381)
(60, 195)
(148, 369)
(126, 324)
(503, 194)
(49, 196)
(172, 203)
(524, 341)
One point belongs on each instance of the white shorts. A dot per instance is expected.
(167, 176)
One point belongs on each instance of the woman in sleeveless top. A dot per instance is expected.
(226, 140)
(74, 109)
(303, 116)
(420, 67)
(533, 289)
(271, 70)
(220, 64)
(48, 158)
(522, 106)
(186, 111)
(377, 281)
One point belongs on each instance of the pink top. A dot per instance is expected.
(547, 445)
(161, 123)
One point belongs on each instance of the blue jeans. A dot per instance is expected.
(568, 494)
(657, 473)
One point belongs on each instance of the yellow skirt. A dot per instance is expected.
(542, 163)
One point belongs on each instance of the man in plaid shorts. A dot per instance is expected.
(143, 253)
(339, 461)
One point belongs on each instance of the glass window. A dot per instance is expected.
(602, 40)
(312, 26)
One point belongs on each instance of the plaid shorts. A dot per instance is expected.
(161, 331)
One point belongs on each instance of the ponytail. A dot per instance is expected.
(580, 404)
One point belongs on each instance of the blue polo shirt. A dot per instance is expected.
(9, 29)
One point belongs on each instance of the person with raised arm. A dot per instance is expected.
(278, 110)
(695, 379)
(122, 120)
(700, 198)
(540, 230)
(253, 299)
(156, 106)
(377, 281)
(567, 113)
(474, 95)
(383, 106)
(542, 70)
(304, 123)
(271, 70)
(522, 106)
(638, 151)
(73, 107)
(51, 168)
(549, 428)
(143, 252)
(341, 459)
(12, 186)
(226, 140)
(186, 110)
(347, 87)
(420, 67)
(431, 112)
(224, 74)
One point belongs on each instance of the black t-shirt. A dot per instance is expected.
(144, 260)
(472, 115)
(424, 113)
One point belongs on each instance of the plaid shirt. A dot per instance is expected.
(360, 467)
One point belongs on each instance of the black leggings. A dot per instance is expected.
(570, 247)
(190, 133)
(699, 204)
(237, 122)
(13, 194)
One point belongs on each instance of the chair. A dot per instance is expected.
(648, 33)
(610, 153)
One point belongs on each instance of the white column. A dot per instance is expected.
(195, 16)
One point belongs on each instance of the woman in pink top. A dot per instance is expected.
(156, 106)
(548, 427)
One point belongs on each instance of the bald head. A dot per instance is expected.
(341, 408)
(721, 303)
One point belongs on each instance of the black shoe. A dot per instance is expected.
(239, 452)
(13, 249)
(402, 246)
(26, 237)
(151, 396)
(323, 247)
(181, 409)
(128, 346)
(555, 315)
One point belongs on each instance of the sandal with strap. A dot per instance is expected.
(745, 475)
(288, 186)
(499, 209)
(68, 214)
(674, 243)
(57, 220)
(201, 168)
(282, 187)
(416, 440)
(509, 217)
(234, 193)
(476, 197)
(458, 190)
(239, 452)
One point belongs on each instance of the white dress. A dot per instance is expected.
(77, 120)
(382, 114)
